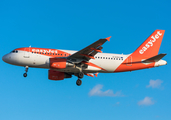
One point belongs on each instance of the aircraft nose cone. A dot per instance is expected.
(5, 58)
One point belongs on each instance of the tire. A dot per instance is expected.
(79, 82)
(80, 75)
(25, 74)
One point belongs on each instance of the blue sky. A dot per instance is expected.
(73, 25)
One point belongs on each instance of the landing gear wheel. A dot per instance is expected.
(25, 74)
(79, 82)
(80, 75)
(26, 69)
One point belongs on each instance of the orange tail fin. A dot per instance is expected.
(150, 47)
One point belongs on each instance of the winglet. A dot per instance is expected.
(108, 38)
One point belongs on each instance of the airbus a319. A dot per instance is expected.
(90, 60)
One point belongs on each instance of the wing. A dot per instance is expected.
(89, 52)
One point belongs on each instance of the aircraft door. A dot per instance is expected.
(27, 53)
(129, 61)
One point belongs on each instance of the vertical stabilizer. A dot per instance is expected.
(150, 47)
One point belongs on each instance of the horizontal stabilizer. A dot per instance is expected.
(155, 58)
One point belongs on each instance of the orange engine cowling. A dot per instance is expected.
(59, 63)
(56, 75)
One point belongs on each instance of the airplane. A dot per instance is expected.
(90, 60)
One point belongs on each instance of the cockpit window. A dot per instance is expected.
(14, 51)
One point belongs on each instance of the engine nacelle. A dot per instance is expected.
(60, 63)
(56, 75)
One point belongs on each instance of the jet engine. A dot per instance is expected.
(56, 75)
(60, 63)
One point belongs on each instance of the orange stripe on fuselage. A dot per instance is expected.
(135, 64)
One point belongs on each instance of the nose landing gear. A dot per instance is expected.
(26, 69)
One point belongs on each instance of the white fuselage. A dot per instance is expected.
(108, 62)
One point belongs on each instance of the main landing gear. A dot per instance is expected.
(26, 69)
(79, 75)
(79, 82)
